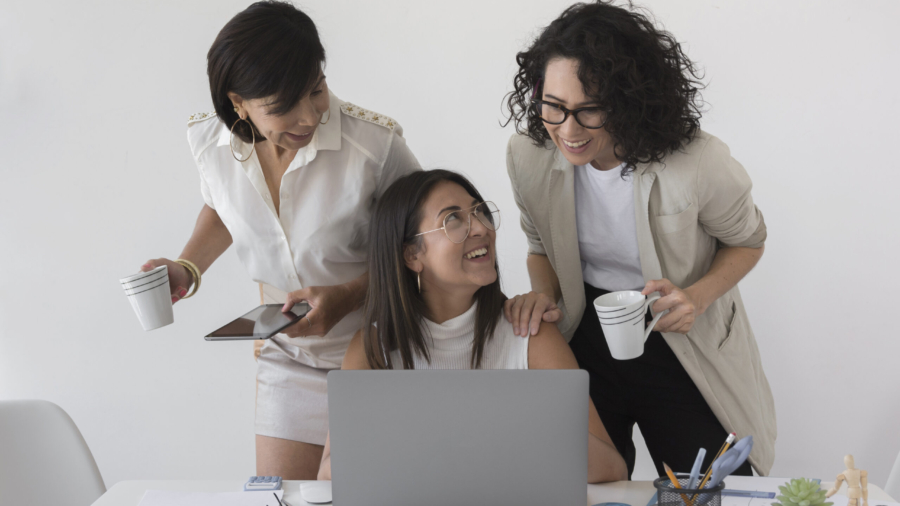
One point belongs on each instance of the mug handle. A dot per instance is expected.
(656, 318)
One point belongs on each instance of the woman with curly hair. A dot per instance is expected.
(620, 189)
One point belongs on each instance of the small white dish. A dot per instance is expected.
(316, 492)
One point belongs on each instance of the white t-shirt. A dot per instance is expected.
(320, 235)
(607, 235)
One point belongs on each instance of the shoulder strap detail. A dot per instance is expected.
(200, 116)
(367, 115)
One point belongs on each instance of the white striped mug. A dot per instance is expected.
(622, 318)
(150, 297)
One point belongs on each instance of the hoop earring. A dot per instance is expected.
(419, 281)
(327, 120)
(231, 140)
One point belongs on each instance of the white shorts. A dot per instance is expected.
(291, 397)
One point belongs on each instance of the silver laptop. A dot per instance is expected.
(451, 438)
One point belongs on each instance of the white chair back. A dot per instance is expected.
(43, 458)
(892, 487)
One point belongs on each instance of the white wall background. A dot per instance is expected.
(96, 177)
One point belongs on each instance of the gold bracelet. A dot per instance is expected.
(195, 274)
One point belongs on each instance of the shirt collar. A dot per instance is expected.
(329, 134)
(225, 135)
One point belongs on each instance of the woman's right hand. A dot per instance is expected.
(179, 277)
(526, 312)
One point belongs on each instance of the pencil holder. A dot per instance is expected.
(667, 495)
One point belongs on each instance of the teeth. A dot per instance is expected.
(477, 253)
(575, 144)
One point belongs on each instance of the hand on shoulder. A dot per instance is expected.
(527, 311)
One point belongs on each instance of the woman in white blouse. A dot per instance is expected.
(289, 174)
(434, 299)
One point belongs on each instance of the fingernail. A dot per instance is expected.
(145, 265)
(516, 330)
(182, 293)
(174, 299)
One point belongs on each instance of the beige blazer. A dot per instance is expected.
(685, 209)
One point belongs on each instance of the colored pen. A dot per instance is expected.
(695, 471)
(675, 483)
(728, 441)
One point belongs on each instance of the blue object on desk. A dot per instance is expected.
(737, 493)
(262, 483)
(749, 493)
(725, 465)
(695, 471)
(730, 461)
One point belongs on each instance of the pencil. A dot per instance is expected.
(706, 476)
(675, 483)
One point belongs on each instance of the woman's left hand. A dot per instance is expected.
(329, 305)
(682, 306)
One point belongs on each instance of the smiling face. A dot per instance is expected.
(294, 129)
(443, 265)
(578, 144)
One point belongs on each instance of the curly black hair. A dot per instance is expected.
(636, 72)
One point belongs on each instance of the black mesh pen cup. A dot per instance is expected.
(667, 495)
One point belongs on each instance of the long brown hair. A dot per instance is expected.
(394, 308)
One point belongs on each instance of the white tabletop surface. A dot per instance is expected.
(635, 493)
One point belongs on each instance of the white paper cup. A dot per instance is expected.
(151, 297)
(621, 316)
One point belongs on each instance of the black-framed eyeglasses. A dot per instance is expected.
(457, 230)
(555, 114)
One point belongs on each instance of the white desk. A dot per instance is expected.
(635, 493)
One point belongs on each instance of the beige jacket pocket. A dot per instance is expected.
(671, 223)
(730, 326)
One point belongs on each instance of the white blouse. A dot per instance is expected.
(328, 192)
(450, 345)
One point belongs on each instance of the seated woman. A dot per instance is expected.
(434, 299)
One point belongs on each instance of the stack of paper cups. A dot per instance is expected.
(150, 297)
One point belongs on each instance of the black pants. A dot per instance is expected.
(653, 391)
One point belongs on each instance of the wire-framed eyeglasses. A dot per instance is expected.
(555, 114)
(457, 229)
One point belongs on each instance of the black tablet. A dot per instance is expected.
(260, 323)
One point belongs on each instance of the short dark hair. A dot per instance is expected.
(270, 49)
(394, 308)
(636, 72)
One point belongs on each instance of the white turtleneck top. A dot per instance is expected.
(450, 345)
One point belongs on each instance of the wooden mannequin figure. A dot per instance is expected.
(857, 484)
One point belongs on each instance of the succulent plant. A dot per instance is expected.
(801, 492)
